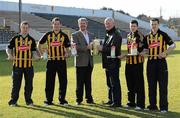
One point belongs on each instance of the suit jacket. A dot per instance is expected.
(112, 38)
(84, 57)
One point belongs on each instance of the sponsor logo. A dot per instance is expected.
(154, 44)
(132, 45)
(23, 48)
(55, 43)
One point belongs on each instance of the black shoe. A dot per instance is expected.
(90, 102)
(115, 105)
(131, 105)
(152, 108)
(12, 103)
(29, 102)
(78, 103)
(108, 103)
(64, 102)
(46, 103)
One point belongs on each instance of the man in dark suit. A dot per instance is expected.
(83, 61)
(112, 44)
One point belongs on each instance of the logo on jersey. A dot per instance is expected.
(23, 48)
(154, 44)
(55, 43)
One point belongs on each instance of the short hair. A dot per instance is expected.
(109, 19)
(134, 22)
(56, 19)
(155, 19)
(24, 23)
(82, 19)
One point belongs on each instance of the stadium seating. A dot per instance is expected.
(71, 21)
(6, 35)
(121, 25)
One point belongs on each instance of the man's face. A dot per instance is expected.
(109, 24)
(56, 26)
(24, 29)
(154, 25)
(133, 27)
(82, 25)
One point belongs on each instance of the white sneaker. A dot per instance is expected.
(163, 111)
(13, 105)
(31, 104)
(127, 106)
(66, 104)
(138, 108)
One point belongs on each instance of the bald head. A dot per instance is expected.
(109, 23)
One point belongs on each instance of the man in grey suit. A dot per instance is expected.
(83, 61)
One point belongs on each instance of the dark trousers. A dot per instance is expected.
(83, 76)
(157, 72)
(135, 84)
(17, 76)
(113, 83)
(52, 68)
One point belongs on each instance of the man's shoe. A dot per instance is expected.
(90, 102)
(115, 105)
(108, 103)
(47, 103)
(152, 108)
(64, 102)
(12, 103)
(130, 105)
(78, 103)
(139, 108)
(30, 104)
(163, 111)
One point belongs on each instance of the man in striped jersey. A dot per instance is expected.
(57, 42)
(21, 49)
(156, 43)
(134, 68)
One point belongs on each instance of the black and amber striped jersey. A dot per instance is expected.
(135, 39)
(56, 44)
(22, 48)
(157, 43)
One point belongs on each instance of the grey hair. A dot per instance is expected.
(82, 19)
(109, 19)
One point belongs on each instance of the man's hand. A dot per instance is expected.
(162, 55)
(36, 55)
(10, 57)
(143, 53)
(45, 56)
(121, 56)
(66, 55)
(100, 48)
(90, 46)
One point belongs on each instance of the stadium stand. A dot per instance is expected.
(121, 25)
(94, 25)
(6, 35)
(37, 23)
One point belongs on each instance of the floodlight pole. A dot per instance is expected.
(20, 12)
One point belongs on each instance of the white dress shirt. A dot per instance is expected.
(86, 36)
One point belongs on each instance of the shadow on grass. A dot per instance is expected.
(99, 110)
(53, 111)
(140, 113)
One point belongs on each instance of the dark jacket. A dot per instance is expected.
(116, 41)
